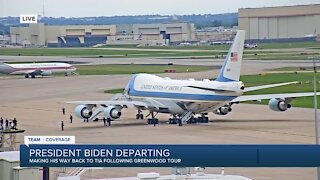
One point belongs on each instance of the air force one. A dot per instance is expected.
(184, 99)
(36, 69)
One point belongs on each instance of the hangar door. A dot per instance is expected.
(254, 28)
(273, 28)
(283, 27)
(263, 28)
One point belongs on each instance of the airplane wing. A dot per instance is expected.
(271, 96)
(254, 88)
(143, 104)
(125, 102)
(114, 103)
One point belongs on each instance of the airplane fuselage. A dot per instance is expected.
(36, 68)
(183, 95)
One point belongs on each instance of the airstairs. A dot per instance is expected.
(186, 116)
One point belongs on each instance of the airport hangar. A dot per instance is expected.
(89, 35)
(281, 24)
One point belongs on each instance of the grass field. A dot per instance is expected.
(108, 69)
(119, 46)
(256, 80)
(201, 47)
(95, 52)
(226, 47)
(114, 91)
(220, 51)
(289, 45)
(105, 53)
(280, 56)
(302, 68)
(67, 52)
(306, 86)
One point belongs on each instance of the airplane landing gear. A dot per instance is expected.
(192, 120)
(174, 120)
(203, 119)
(153, 120)
(29, 75)
(139, 115)
(109, 121)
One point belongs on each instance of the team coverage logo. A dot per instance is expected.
(234, 56)
(28, 18)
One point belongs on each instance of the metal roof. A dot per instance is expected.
(10, 156)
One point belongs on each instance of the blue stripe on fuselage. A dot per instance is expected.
(207, 97)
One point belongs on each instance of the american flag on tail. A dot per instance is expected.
(234, 56)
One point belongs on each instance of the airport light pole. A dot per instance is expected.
(315, 98)
(315, 106)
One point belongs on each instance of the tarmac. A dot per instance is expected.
(37, 104)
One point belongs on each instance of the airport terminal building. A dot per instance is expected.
(287, 23)
(90, 35)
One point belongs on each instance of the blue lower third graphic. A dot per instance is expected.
(170, 155)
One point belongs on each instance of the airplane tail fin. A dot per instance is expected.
(231, 68)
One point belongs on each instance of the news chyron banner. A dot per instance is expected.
(61, 151)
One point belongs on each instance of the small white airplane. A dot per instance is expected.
(36, 69)
(184, 99)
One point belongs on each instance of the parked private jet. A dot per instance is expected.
(36, 69)
(184, 99)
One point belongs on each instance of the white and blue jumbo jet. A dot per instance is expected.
(184, 99)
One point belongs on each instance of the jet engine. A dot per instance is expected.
(46, 73)
(278, 105)
(111, 112)
(83, 111)
(224, 110)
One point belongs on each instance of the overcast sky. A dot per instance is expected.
(82, 8)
